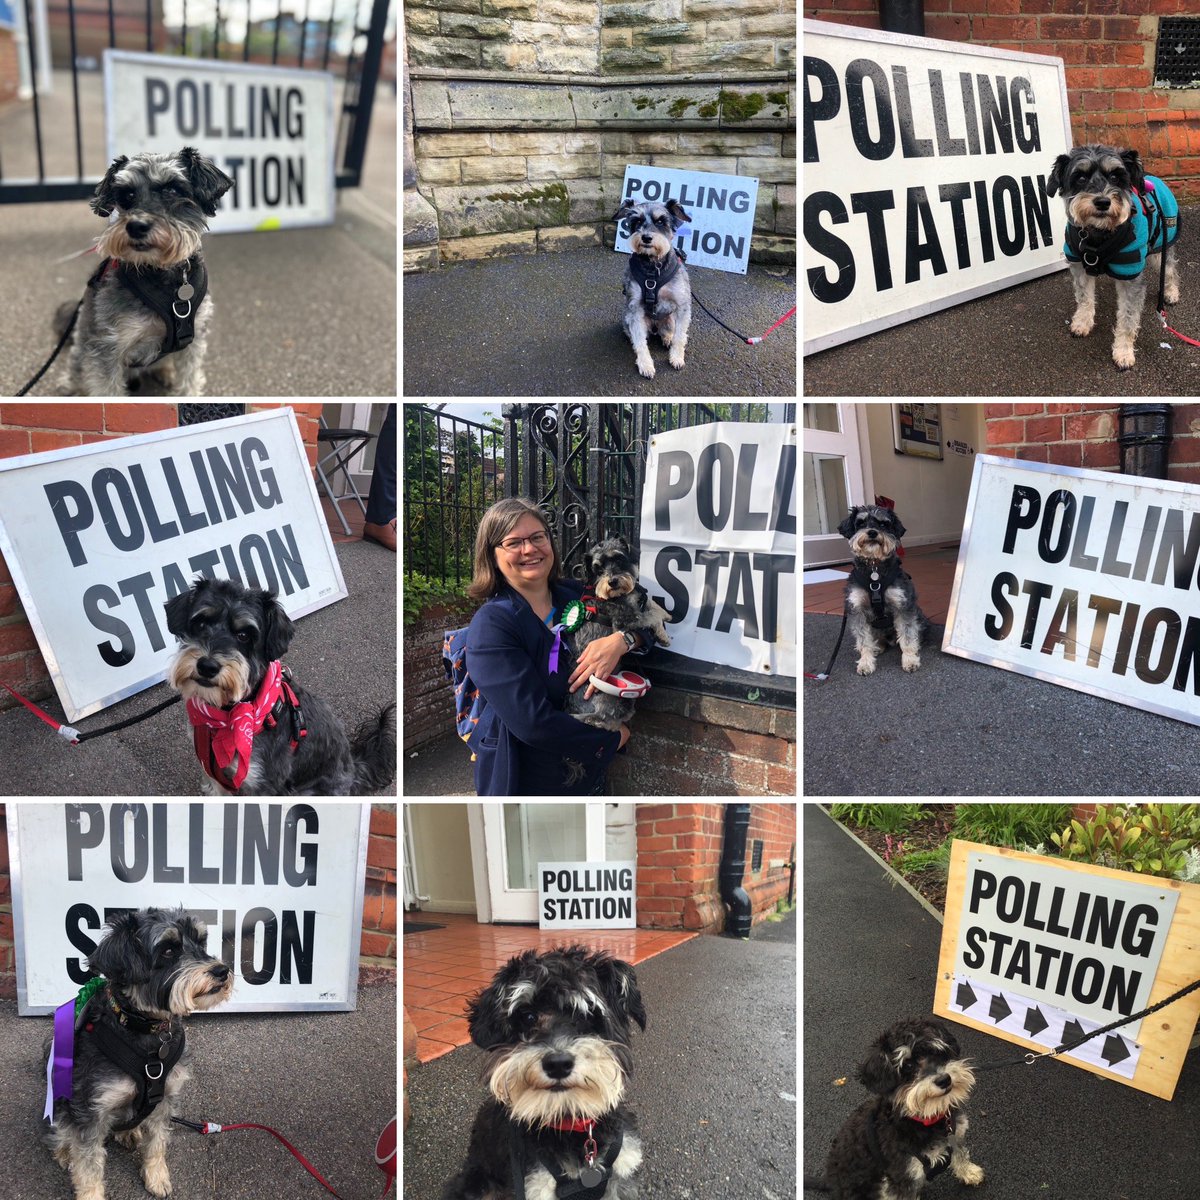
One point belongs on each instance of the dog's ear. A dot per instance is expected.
(846, 528)
(103, 202)
(880, 1070)
(178, 609)
(1137, 173)
(278, 629)
(209, 182)
(485, 1021)
(119, 952)
(678, 216)
(619, 984)
(898, 526)
(627, 209)
(1057, 174)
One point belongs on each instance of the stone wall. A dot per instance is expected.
(523, 114)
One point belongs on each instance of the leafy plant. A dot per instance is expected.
(936, 860)
(1012, 825)
(887, 818)
(421, 593)
(1152, 839)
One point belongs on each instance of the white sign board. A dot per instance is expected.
(718, 542)
(925, 166)
(575, 895)
(1086, 579)
(270, 129)
(721, 208)
(279, 885)
(98, 538)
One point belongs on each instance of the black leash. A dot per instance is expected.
(151, 712)
(824, 675)
(62, 341)
(1029, 1059)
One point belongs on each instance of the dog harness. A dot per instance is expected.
(224, 737)
(932, 1169)
(111, 1027)
(650, 276)
(876, 578)
(1122, 253)
(593, 1177)
(173, 293)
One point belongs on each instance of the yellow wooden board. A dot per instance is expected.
(1164, 1036)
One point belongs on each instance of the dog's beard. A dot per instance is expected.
(195, 989)
(594, 1087)
(924, 1099)
(166, 244)
(875, 549)
(1082, 212)
(613, 587)
(231, 684)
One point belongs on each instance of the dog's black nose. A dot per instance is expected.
(1101, 203)
(557, 1064)
(207, 668)
(872, 534)
(943, 1081)
(219, 971)
(137, 229)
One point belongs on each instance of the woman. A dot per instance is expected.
(526, 744)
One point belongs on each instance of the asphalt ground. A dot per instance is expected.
(346, 652)
(1017, 343)
(550, 325)
(961, 728)
(326, 1081)
(1052, 1130)
(297, 312)
(438, 768)
(713, 1085)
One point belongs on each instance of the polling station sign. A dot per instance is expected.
(98, 538)
(925, 166)
(582, 895)
(279, 885)
(718, 542)
(270, 129)
(1042, 951)
(721, 208)
(1086, 579)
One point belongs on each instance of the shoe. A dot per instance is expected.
(385, 535)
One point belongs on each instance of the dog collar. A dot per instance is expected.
(130, 1018)
(947, 1116)
(574, 1125)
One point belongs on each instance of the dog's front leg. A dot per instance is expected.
(1084, 317)
(908, 630)
(683, 319)
(153, 1147)
(866, 641)
(637, 327)
(961, 1165)
(86, 1166)
(1131, 296)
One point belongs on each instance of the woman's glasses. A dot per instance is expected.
(539, 541)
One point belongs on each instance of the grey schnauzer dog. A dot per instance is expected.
(256, 731)
(912, 1128)
(1117, 218)
(556, 1027)
(881, 602)
(146, 309)
(129, 1040)
(623, 606)
(658, 294)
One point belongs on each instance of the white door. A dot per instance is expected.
(833, 473)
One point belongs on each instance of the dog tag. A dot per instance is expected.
(186, 291)
(592, 1177)
(164, 1051)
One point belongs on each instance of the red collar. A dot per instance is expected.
(574, 1125)
(927, 1121)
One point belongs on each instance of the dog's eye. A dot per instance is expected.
(124, 197)
(526, 1019)
(245, 637)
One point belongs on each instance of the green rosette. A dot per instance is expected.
(88, 990)
(573, 615)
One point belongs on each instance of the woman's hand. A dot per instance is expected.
(624, 736)
(598, 658)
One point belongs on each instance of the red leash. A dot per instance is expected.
(64, 731)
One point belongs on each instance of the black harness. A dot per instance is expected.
(650, 275)
(172, 293)
(590, 1184)
(876, 578)
(111, 1025)
(1097, 251)
(932, 1170)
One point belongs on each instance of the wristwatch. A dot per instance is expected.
(631, 639)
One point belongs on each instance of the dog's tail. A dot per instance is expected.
(374, 749)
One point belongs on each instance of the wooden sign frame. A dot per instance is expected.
(1163, 1038)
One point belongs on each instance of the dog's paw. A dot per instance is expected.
(645, 364)
(1171, 293)
(1081, 326)
(156, 1177)
(1124, 357)
(866, 666)
(676, 358)
(910, 662)
(971, 1174)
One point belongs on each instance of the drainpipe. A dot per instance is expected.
(902, 16)
(1144, 435)
(733, 868)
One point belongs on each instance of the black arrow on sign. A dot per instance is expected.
(965, 997)
(1073, 1031)
(1035, 1022)
(998, 1009)
(1115, 1050)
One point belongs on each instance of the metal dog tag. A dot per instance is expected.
(186, 291)
(592, 1176)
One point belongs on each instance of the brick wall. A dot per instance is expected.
(1108, 49)
(377, 947)
(32, 428)
(1085, 435)
(428, 696)
(679, 856)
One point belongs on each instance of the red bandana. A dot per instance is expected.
(229, 747)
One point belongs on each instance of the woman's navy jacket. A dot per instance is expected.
(525, 744)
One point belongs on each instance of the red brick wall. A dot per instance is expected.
(679, 856)
(1108, 49)
(377, 947)
(1085, 435)
(32, 428)
(428, 695)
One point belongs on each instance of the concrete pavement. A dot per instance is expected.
(1053, 1130)
(714, 1078)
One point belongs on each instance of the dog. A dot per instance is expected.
(621, 605)
(658, 293)
(146, 310)
(156, 971)
(913, 1126)
(1117, 218)
(881, 602)
(556, 1027)
(256, 731)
